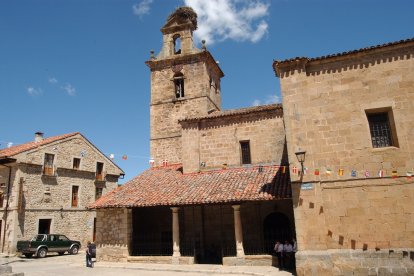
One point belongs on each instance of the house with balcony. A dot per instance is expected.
(47, 184)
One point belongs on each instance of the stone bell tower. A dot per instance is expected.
(185, 82)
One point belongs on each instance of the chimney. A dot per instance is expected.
(38, 136)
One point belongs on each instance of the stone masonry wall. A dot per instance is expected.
(113, 235)
(217, 141)
(325, 106)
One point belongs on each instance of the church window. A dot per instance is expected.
(177, 44)
(245, 152)
(382, 128)
(179, 85)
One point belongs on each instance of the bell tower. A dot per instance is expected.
(185, 82)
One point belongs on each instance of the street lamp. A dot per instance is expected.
(300, 155)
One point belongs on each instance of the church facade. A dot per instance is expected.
(331, 166)
(219, 189)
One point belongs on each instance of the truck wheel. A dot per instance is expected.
(74, 250)
(42, 252)
(28, 255)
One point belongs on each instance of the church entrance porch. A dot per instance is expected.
(211, 234)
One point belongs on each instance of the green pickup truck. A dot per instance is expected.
(41, 244)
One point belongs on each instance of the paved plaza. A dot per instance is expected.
(75, 265)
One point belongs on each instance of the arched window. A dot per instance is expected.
(179, 85)
(177, 44)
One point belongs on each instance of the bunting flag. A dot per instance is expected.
(305, 170)
(316, 171)
(124, 157)
(366, 173)
(294, 170)
(394, 174)
(152, 162)
(409, 175)
(283, 169)
(353, 173)
(165, 162)
(381, 173)
(328, 171)
(341, 172)
(112, 156)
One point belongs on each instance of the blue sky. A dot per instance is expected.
(78, 65)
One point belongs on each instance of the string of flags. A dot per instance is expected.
(352, 172)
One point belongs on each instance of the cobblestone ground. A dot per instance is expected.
(75, 265)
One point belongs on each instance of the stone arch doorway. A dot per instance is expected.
(276, 227)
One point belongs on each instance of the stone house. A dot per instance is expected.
(353, 114)
(46, 185)
(219, 189)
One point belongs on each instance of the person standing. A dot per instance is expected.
(89, 255)
(279, 253)
(288, 252)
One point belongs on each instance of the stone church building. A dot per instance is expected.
(46, 186)
(226, 184)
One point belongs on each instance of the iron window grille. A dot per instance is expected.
(245, 152)
(379, 126)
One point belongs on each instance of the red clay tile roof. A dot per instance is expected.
(168, 186)
(7, 152)
(240, 111)
(287, 61)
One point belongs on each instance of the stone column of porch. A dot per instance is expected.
(176, 232)
(238, 231)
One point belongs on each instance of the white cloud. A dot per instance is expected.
(34, 91)
(70, 90)
(142, 8)
(270, 99)
(240, 20)
(53, 80)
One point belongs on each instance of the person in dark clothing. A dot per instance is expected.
(89, 255)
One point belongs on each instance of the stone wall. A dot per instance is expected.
(216, 141)
(325, 104)
(113, 234)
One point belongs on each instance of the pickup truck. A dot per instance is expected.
(41, 244)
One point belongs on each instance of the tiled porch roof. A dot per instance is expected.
(168, 186)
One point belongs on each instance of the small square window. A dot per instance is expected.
(382, 128)
(245, 152)
(76, 163)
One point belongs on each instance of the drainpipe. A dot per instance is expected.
(7, 207)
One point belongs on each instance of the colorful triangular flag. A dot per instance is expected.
(394, 174)
(294, 170)
(316, 171)
(381, 173)
(366, 173)
(328, 171)
(341, 172)
(353, 173)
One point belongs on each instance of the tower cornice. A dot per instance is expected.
(204, 56)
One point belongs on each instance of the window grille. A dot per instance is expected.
(379, 126)
(245, 152)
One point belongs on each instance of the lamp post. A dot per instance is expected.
(300, 155)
